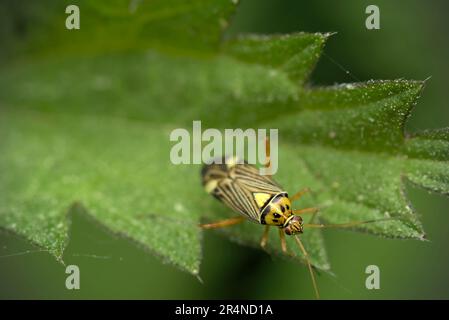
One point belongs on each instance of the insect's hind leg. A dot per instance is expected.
(223, 223)
(267, 163)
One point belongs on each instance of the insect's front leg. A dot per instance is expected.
(264, 239)
(283, 242)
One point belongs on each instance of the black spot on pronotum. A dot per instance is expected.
(275, 220)
(276, 215)
(288, 207)
(282, 208)
(265, 211)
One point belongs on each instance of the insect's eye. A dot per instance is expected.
(288, 207)
(282, 208)
(276, 215)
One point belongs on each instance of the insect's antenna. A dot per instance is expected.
(344, 225)
(309, 265)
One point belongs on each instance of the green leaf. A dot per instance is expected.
(352, 139)
(85, 118)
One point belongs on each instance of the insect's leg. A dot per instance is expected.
(299, 194)
(223, 223)
(264, 239)
(343, 225)
(309, 265)
(305, 210)
(312, 218)
(283, 242)
(267, 154)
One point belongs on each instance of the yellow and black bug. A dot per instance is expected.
(260, 199)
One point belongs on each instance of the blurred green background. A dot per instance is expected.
(411, 44)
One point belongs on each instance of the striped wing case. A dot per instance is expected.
(240, 187)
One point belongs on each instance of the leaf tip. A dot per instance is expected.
(200, 280)
(329, 34)
(427, 79)
(423, 237)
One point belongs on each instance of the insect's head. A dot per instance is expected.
(294, 225)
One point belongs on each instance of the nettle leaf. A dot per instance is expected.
(85, 118)
(352, 139)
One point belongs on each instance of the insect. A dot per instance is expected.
(261, 200)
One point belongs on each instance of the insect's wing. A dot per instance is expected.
(240, 187)
(237, 198)
(249, 177)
